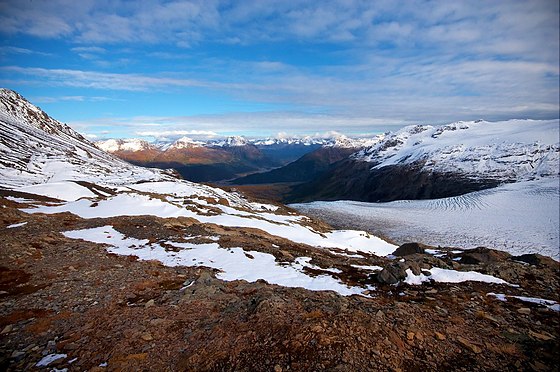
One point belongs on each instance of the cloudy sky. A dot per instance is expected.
(204, 68)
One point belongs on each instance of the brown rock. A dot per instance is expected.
(541, 336)
(469, 345)
(440, 336)
(524, 310)
(146, 336)
(409, 248)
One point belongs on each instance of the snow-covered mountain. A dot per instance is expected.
(304, 141)
(426, 162)
(183, 143)
(342, 141)
(232, 141)
(130, 144)
(506, 150)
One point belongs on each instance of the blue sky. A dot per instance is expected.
(163, 69)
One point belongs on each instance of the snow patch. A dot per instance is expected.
(16, 225)
(234, 263)
(48, 359)
(450, 276)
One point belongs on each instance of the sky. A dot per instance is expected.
(159, 70)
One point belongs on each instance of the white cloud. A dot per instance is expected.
(17, 50)
(177, 133)
(102, 80)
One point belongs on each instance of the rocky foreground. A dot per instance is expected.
(68, 304)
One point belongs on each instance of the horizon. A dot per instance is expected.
(215, 69)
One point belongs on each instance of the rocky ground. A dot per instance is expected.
(116, 313)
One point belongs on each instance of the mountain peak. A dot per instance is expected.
(130, 144)
(185, 142)
(232, 141)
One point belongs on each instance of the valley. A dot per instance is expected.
(109, 265)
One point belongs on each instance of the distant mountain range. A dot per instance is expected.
(224, 159)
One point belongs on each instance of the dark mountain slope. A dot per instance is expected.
(355, 180)
(307, 168)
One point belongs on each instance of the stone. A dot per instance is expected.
(7, 329)
(535, 259)
(541, 336)
(410, 336)
(440, 336)
(17, 355)
(150, 303)
(379, 314)
(524, 310)
(277, 368)
(469, 345)
(408, 248)
(482, 255)
(146, 336)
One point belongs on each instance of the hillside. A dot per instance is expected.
(306, 168)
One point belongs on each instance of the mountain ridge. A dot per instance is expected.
(426, 162)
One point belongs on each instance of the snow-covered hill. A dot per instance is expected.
(507, 150)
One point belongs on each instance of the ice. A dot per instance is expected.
(519, 218)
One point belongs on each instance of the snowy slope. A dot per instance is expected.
(520, 217)
(508, 150)
(34, 148)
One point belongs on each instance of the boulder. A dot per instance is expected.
(482, 255)
(535, 259)
(409, 248)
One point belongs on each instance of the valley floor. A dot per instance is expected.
(518, 218)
